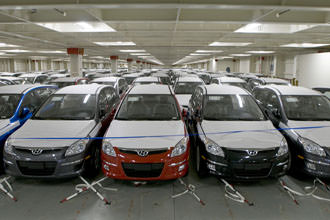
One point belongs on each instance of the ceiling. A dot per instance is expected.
(169, 30)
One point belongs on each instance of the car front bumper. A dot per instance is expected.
(130, 166)
(51, 164)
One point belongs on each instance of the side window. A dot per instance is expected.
(32, 100)
(44, 93)
(122, 85)
(103, 103)
(199, 98)
(259, 95)
(273, 100)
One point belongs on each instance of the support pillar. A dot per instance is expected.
(138, 63)
(129, 65)
(114, 64)
(75, 61)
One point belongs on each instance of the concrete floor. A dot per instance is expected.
(39, 199)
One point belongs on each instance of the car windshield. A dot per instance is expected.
(148, 107)
(28, 80)
(327, 94)
(306, 107)
(130, 80)
(239, 84)
(8, 105)
(165, 80)
(68, 107)
(232, 108)
(186, 87)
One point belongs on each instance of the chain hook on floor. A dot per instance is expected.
(233, 194)
(189, 189)
(7, 188)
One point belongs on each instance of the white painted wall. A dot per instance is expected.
(313, 70)
(223, 64)
(244, 65)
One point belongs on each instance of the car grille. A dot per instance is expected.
(262, 154)
(143, 170)
(252, 170)
(150, 152)
(44, 151)
(37, 168)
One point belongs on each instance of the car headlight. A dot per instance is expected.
(283, 149)
(312, 147)
(9, 146)
(213, 148)
(107, 148)
(180, 147)
(76, 148)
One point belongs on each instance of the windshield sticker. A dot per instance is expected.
(215, 98)
(291, 99)
(133, 99)
(57, 98)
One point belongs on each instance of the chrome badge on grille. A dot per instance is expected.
(36, 152)
(142, 153)
(252, 152)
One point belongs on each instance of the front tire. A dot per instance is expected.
(93, 164)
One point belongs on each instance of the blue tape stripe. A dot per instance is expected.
(174, 135)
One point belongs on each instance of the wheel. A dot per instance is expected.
(200, 165)
(93, 164)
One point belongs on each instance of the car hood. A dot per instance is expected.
(123, 131)
(51, 129)
(183, 99)
(310, 130)
(243, 134)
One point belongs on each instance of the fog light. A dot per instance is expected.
(311, 166)
(181, 167)
(106, 167)
(211, 166)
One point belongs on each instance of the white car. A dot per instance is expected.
(147, 140)
(184, 87)
(232, 137)
(65, 129)
(146, 80)
(233, 81)
(307, 112)
(32, 78)
(118, 83)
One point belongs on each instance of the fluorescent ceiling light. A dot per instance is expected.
(208, 51)
(198, 54)
(260, 51)
(273, 28)
(16, 51)
(77, 26)
(240, 55)
(2, 53)
(116, 43)
(139, 54)
(304, 45)
(229, 44)
(132, 51)
(7, 45)
(226, 57)
(97, 57)
(145, 57)
(49, 51)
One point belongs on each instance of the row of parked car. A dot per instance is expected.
(147, 131)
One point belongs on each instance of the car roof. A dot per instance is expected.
(80, 89)
(147, 79)
(215, 89)
(19, 89)
(231, 79)
(292, 90)
(67, 79)
(273, 80)
(10, 78)
(189, 79)
(106, 79)
(150, 89)
(30, 75)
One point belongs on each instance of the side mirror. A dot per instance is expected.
(25, 112)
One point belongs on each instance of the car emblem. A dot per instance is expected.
(142, 153)
(36, 152)
(252, 152)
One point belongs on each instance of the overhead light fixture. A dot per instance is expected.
(49, 51)
(260, 51)
(304, 45)
(139, 54)
(199, 54)
(2, 53)
(273, 28)
(144, 57)
(208, 51)
(240, 55)
(77, 26)
(116, 43)
(132, 51)
(16, 51)
(229, 44)
(226, 57)
(8, 45)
